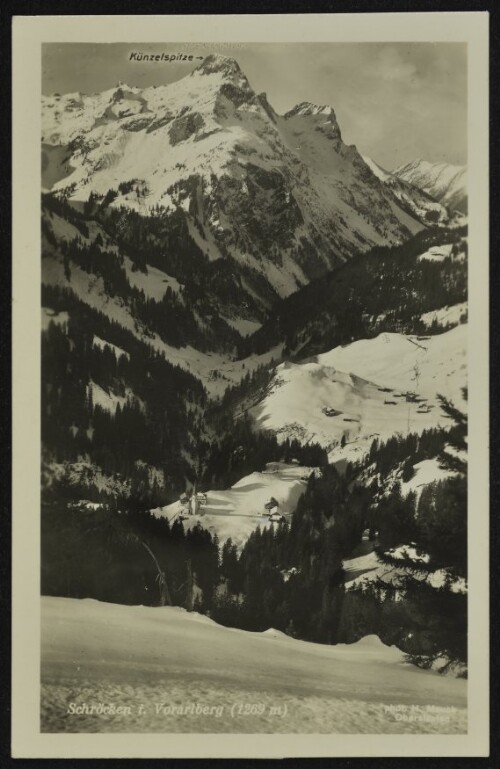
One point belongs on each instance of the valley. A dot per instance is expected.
(254, 412)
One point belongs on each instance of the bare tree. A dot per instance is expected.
(122, 533)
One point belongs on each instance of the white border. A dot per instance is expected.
(28, 35)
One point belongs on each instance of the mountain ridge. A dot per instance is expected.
(282, 196)
(444, 181)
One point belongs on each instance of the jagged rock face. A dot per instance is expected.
(185, 126)
(281, 195)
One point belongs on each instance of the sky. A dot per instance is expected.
(395, 101)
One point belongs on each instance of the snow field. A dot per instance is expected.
(238, 511)
(168, 661)
(358, 391)
(445, 315)
(154, 283)
(366, 569)
(427, 471)
(51, 316)
(437, 253)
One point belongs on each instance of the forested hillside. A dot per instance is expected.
(386, 289)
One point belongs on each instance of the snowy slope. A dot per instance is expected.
(282, 195)
(163, 658)
(410, 197)
(446, 315)
(154, 282)
(102, 344)
(445, 182)
(357, 391)
(238, 511)
(50, 316)
(437, 253)
(427, 471)
(215, 370)
(365, 569)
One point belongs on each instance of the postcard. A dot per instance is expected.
(250, 280)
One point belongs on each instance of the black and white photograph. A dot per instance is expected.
(254, 388)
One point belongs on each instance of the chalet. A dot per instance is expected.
(276, 517)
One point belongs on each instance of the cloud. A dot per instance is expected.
(391, 66)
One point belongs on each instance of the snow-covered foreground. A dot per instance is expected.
(237, 511)
(358, 391)
(164, 670)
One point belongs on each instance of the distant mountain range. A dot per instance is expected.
(410, 196)
(444, 182)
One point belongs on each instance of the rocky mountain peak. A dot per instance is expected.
(216, 63)
(308, 108)
(264, 102)
(320, 117)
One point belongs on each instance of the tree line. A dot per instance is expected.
(290, 575)
(385, 289)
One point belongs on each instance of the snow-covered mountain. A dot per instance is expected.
(347, 397)
(281, 196)
(411, 198)
(444, 182)
(180, 218)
